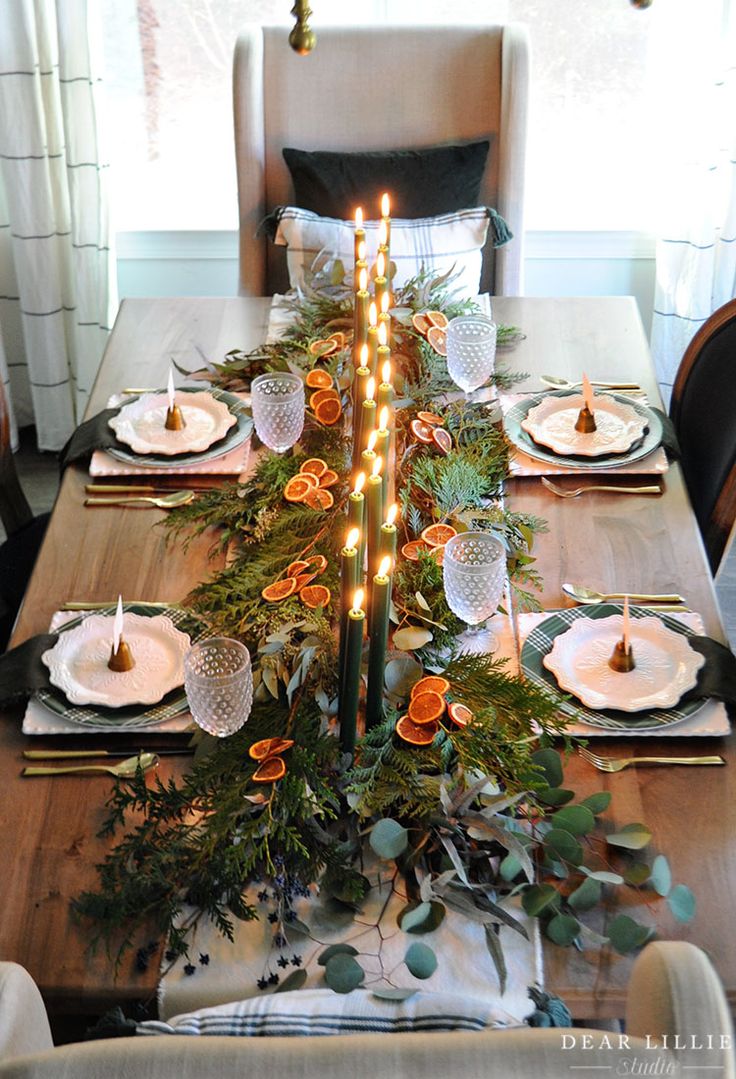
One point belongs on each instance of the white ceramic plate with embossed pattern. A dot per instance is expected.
(78, 661)
(142, 424)
(666, 665)
(552, 423)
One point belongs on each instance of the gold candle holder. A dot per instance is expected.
(122, 660)
(585, 422)
(622, 658)
(174, 419)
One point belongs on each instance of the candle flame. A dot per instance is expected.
(382, 333)
(385, 302)
(359, 483)
(385, 205)
(386, 373)
(364, 355)
(588, 393)
(361, 253)
(382, 233)
(381, 265)
(393, 512)
(372, 437)
(363, 280)
(385, 566)
(383, 419)
(353, 537)
(117, 626)
(377, 466)
(372, 314)
(357, 599)
(170, 390)
(626, 634)
(370, 389)
(359, 218)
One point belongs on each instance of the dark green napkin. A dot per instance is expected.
(22, 671)
(670, 445)
(717, 677)
(93, 434)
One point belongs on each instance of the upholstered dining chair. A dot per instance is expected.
(675, 1003)
(703, 410)
(379, 88)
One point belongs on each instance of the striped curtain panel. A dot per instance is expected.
(696, 251)
(57, 282)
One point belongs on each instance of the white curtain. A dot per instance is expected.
(57, 291)
(696, 131)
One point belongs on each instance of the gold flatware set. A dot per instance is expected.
(126, 769)
(617, 764)
(563, 492)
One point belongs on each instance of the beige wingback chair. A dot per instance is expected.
(379, 88)
(674, 991)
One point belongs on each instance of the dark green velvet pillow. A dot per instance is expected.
(421, 183)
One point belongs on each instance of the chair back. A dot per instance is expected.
(14, 509)
(379, 88)
(703, 410)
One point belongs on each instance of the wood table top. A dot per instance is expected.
(48, 841)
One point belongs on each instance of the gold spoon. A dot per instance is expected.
(126, 769)
(164, 502)
(581, 594)
(565, 384)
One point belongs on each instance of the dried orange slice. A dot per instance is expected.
(328, 412)
(315, 466)
(318, 562)
(319, 499)
(421, 431)
(329, 478)
(297, 488)
(434, 683)
(420, 323)
(460, 714)
(438, 535)
(323, 348)
(436, 318)
(426, 707)
(295, 568)
(269, 747)
(416, 735)
(315, 595)
(340, 338)
(279, 590)
(438, 554)
(411, 550)
(442, 440)
(303, 579)
(431, 418)
(272, 769)
(317, 379)
(319, 396)
(438, 340)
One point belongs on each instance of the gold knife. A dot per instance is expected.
(64, 754)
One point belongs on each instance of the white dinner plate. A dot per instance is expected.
(552, 422)
(142, 423)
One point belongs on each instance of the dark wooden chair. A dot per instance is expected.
(24, 531)
(703, 410)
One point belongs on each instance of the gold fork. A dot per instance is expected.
(563, 493)
(617, 764)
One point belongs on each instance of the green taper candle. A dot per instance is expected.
(350, 688)
(374, 515)
(372, 339)
(385, 391)
(389, 534)
(382, 444)
(384, 234)
(360, 384)
(360, 321)
(359, 235)
(350, 577)
(368, 413)
(356, 518)
(379, 612)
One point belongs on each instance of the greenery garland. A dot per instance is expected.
(476, 818)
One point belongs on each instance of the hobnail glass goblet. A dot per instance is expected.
(218, 681)
(474, 573)
(471, 351)
(277, 401)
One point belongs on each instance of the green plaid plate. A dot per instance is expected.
(234, 437)
(524, 441)
(540, 641)
(134, 716)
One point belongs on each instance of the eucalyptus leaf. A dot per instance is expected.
(495, 950)
(586, 895)
(538, 897)
(423, 918)
(598, 802)
(560, 842)
(510, 867)
(661, 877)
(343, 974)
(298, 926)
(271, 682)
(394, 994)
(549, 761)
(295, 980)
(603, 875)
(335, 949)
(388, 838)
(554, 796)
(637, 873)
(626, 935)
(422, 602)
(631, 836)
(562, 929)
(681, 902)
(411, 637)
(421, 960)
(577, 820)
(401, 674)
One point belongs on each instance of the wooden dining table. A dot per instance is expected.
(48, 836)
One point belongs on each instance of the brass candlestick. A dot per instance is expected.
(302, 38)
(585, 422)
(174, 419)
(122, 660)
(622, 658)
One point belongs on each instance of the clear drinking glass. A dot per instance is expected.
(219, 685)
(277, 401)
(474, 573)
(471, 351)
